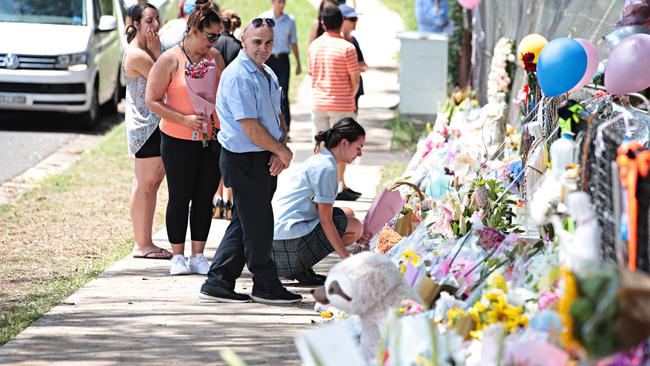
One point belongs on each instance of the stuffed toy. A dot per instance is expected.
(368, 285)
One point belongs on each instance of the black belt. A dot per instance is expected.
(278, 55)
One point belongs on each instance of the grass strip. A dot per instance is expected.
(52, 292)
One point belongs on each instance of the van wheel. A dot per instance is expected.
(90, 118)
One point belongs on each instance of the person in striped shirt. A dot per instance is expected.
(333, 66)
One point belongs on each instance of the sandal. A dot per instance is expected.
(158, 253)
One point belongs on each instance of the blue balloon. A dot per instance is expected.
(561, 65)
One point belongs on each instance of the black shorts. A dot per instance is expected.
(151, 148)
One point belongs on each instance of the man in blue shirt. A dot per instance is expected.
(286, 40)
(433, 16)
(253, 139)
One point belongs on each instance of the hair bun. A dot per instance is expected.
(327, 134)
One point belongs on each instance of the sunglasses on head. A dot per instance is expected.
(210, 36)
(257, 22)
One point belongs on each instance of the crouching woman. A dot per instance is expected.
(307, 225)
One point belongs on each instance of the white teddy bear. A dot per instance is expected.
(369, 285)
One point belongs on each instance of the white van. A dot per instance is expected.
(59, 55)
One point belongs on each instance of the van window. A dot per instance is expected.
(67, 12)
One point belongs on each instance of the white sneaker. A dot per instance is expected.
(179, 266)
(199, 265)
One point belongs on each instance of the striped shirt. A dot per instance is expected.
(331, 59)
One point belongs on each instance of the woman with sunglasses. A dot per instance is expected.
(192, 168)
(143, 135)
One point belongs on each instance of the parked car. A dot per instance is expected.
(60, 56)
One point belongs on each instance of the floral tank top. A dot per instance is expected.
(140, 122)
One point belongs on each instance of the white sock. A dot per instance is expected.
(340, 188)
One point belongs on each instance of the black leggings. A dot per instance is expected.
(192, 175)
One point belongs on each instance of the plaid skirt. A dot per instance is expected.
(296, 256)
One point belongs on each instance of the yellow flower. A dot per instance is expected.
(456, 313)
(494, 296)
(480, 306)
(476, 317)
(476, 334)
(569, 295)
(496, 280)
(326, 314)
(409, 256)
(513, 311)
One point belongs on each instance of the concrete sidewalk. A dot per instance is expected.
(135, 313)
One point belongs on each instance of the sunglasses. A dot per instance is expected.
(352, 19)
(210, 36)
(257, 22)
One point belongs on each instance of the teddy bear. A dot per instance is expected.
(368, 285)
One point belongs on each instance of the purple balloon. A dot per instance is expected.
(627, 66)
(592, 63)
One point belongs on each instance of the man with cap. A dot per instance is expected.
(350, 17)
(286, 41)
(254, 151)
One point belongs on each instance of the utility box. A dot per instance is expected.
(422, 73)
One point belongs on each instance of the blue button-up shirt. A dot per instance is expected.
(284, 32)
(294, 203)
(245, 92)
(431, 18)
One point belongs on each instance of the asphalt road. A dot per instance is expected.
(28, 138)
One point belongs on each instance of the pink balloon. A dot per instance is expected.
(469, 4)
(627, 66)
(592, 63)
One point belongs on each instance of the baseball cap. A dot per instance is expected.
(189, 6)
(347, 11)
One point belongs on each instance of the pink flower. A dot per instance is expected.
(547, 298)
(443, 269)
(411, 307)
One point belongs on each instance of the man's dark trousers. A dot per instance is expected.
(282, 68)
(249, 237)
